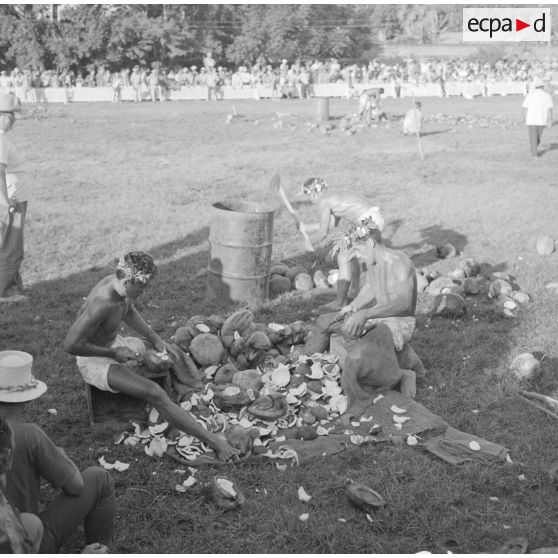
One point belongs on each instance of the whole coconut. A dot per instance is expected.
(303, 282)
(294, 271)
(435, 288)
(320, 280)
(279, 285)
(472, 285)
(248, 379)
(446, 250)
(184, 335)
(207, 348)
(470, 268)
(225, 374)
(259, 340)
(545, 245)
(239, 321)
(279, 269)
(450, 305)
(307, 432)
(525, 366)
(499, 288)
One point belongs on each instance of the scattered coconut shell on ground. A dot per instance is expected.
(225, 494)
(269, 407)
(545, 245)
(248, 379)
(525, 366)
(364, 497)
(230, 397)
(422, 283)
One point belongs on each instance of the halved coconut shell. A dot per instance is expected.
(364, 497)
(225, 494)
(269, 407)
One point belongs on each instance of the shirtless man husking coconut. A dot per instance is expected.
(107, 360)
(381, 318)
(340, 204)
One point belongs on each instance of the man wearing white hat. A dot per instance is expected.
(14, 190)
(538, 114)
(87, 497)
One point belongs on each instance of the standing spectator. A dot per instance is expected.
(153, 81)
(135, 82)
(211, 83)
(538, 114)
(86, 497)
(412, 123)
(14, 185)
(116, 87)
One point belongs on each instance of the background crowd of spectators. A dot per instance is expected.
(284, 80)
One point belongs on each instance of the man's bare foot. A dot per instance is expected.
(225, 452)
(408, 385)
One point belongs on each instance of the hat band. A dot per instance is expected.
(25, 387)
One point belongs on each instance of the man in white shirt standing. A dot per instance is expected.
(538, 114)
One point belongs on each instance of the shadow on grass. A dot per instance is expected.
(550, 147)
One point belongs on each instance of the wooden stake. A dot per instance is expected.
(540, 407)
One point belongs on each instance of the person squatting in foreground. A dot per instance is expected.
(340, 204)
(108, 361)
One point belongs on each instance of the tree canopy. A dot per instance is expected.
(120, 35)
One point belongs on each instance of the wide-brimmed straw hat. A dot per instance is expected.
(17, 384)
(9, 103)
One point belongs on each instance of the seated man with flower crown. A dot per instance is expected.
(380, 320)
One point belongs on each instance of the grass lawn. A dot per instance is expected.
(109, 179)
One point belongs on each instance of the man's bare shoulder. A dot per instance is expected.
(101, 298)
(402, 264)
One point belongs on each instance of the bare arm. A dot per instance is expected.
(78, 340)
(549, 117)
(134, 320)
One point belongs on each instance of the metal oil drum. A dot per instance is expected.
(240, 238)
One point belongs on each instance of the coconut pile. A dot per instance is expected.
(450, 291)
(471, 121)
(284, 278)
(260, 384)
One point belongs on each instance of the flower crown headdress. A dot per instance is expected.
(316, 185)
(133, 273)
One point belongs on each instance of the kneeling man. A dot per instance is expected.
(385, 304)
(105, 359)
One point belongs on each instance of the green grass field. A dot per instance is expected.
(110, 179)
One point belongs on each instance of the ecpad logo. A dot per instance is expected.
(506, 24)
